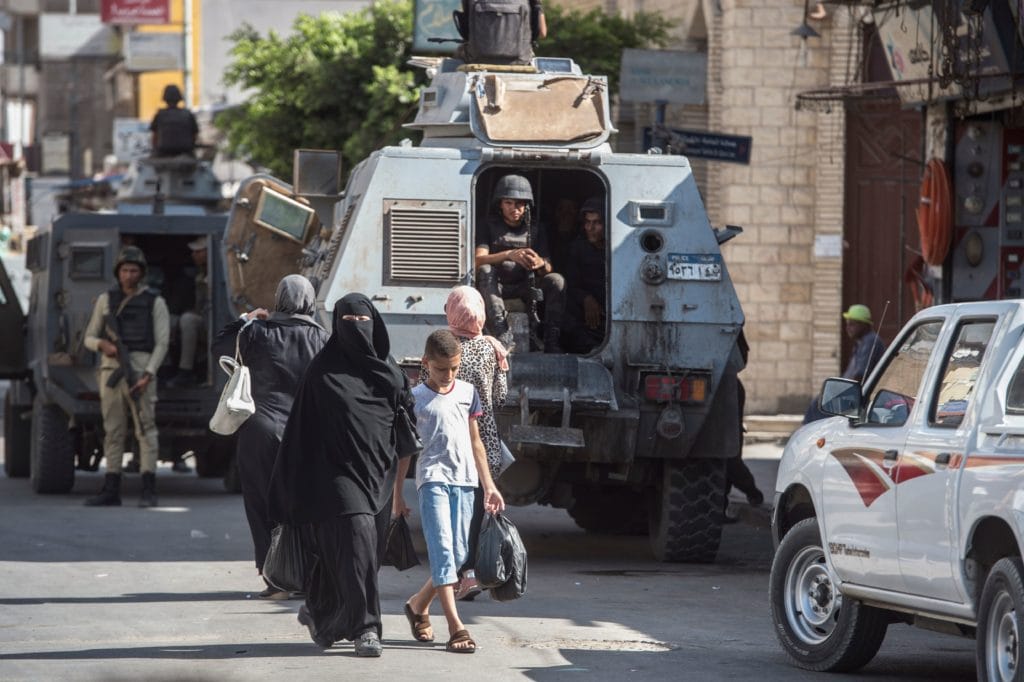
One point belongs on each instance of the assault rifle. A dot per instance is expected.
(534, 294)
(112, 327)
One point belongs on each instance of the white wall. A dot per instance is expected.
(220, 18)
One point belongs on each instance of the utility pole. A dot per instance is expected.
(186, 35)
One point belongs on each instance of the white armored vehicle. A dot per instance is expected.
(630, 436)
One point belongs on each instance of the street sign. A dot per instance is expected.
(700, 145)
(663, 76)
(153, 52)
(135, 12)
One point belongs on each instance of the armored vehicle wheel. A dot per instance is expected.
(17, 437)
(686, 513)
(1000, 647)
(818, 628)
(53, 454)
(619, 512)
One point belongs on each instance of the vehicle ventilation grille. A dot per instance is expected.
(424, 242)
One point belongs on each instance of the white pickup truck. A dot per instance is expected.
(908, 505)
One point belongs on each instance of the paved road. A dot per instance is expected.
(166, 594)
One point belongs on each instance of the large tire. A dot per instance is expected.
(819, 628)
(999, 654)
(17, 439)
(53, 453)
(686, 513)
(617, 512)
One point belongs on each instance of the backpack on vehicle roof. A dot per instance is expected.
(499, 32)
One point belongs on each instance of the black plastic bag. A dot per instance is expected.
(287, 564)
(398, 549)
(407, 440)
(501, 559)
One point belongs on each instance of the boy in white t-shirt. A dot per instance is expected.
(448, 470)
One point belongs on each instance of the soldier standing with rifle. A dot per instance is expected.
(130, 327)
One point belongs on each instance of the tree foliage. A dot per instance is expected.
(339, 81)
(596, 40)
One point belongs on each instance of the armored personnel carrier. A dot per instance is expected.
(630, 436)
(52, 418)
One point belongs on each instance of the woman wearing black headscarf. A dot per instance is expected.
(276, 347)
(335, 471)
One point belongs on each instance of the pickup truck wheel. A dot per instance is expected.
(17, 437)
(999, 654)
(817, 627)
(52, 450)
(685, 522)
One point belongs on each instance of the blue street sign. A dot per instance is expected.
(701, 145)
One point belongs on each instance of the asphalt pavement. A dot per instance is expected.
(169, 594)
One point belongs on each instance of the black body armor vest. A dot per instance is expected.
(135, 319)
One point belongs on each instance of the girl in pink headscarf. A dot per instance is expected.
(485, 365)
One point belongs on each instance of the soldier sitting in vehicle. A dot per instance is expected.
(129, 327)
(585, 282)
(192, 323)
(174, 128)
(511, 256)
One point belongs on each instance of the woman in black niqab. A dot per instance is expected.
(336, 467)
(277, 347)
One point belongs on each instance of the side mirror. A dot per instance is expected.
(316, 177)
(841, 397)
(316, 173)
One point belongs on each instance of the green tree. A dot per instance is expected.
(596, 40)
(339, 81)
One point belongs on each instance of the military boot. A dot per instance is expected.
(148, 498)
(110, 495)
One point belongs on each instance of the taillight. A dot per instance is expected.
(665, 388)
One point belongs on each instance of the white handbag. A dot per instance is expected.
(235, 404)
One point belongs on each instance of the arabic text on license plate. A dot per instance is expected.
(694, 267)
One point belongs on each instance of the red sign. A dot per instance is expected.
(135, 12)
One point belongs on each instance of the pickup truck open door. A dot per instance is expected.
(927, 480)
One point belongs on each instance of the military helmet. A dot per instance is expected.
(130, 254)
(513, 187)
(172, 94)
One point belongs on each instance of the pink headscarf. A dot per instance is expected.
(465, 311)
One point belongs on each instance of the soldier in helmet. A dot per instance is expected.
(512, 261)
(174, 128)
(131, 320)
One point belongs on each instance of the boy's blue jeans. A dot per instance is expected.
(446, 511)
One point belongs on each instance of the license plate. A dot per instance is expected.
(695, 267)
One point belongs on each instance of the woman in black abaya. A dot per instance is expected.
(276, 347)
(335, 471)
